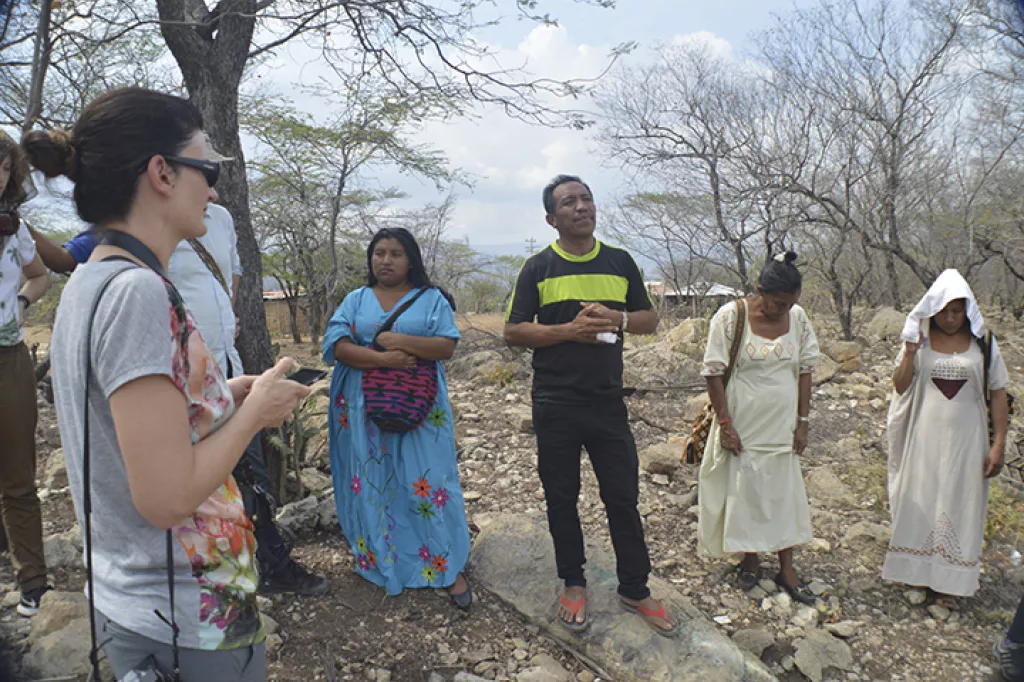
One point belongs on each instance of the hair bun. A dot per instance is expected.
(66, 147)
(790, 257)
(53, 153)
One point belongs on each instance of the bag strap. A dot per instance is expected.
(390, 322)
(87, 482)
(737, 338)
(210, 263)
(986, 351)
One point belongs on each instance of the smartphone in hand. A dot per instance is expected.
(307, 376)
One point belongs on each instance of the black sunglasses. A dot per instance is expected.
(209, 169)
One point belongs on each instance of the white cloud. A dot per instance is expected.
(718, 46)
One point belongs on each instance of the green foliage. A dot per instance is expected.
(502, 374)
(1005, 516)
(293, 437)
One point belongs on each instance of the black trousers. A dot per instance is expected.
(253, 480)
(602, 427)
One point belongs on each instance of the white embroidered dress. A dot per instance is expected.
(938, 496)
(756, 501)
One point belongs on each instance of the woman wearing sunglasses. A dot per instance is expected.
(18, 502)
(165, 429)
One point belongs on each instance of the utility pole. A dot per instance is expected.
(531, 245)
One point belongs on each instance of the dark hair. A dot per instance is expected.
(15, 193)
(781, 275)
(548, 195)
(417, 271)
(104, 154)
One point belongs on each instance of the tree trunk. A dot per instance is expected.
(293, 319)
(212, 63)
(40, 64)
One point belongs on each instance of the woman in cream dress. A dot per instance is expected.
(752, 496)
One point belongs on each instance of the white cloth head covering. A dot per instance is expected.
(949, 286)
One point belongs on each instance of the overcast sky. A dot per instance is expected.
(509, 161)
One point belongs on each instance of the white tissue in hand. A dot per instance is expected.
(608, 337)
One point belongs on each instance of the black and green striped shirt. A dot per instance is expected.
(549, 289)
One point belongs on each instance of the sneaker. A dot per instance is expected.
(1011, 660)
(29, 604)
(294, 579)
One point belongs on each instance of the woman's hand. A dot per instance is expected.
(387, 340)
(274, 398)
(800, 438)
(397, 359)
(995, 460)
(240, 387)
(731, 439)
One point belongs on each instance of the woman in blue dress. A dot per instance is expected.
(398, 494)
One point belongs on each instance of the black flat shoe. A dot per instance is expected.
(748, 580)
(463, 600)
(800, 593)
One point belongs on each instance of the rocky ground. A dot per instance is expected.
(861, 628)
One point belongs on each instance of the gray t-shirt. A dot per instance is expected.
(138, 333)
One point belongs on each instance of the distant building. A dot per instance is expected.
(701, 293)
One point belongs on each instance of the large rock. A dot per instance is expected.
(754, 640)
(55, 475)
(663, 458)
(827, 490)
(57, 610)
(694, 406)
(488, 366)
(686, 332)
(820, 650)
(327, 513)
(59, 641)
(863, 534)
(825, 371)
(887, 324)
(316, 482)
(64, 550)
(301, 516)
(842, 351)
(513, 558)
(318, 450)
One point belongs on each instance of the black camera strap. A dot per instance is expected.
(123, 240)
(87, 469)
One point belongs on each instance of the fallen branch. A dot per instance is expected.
(329, 673)
(650, 422)
(582, 658)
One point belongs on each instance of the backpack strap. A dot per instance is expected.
(737, 338)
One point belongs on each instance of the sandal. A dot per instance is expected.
(800, 593)
(748, 580)
(650, 615)
(574, 608)
(464, 600)
(945, 600)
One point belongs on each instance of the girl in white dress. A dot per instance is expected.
(752, 496)
(940, 457)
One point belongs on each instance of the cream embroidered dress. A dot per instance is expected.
(755, 501)
(938, 442)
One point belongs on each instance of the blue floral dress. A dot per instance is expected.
(398, 495)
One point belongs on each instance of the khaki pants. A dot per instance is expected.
(19, 504)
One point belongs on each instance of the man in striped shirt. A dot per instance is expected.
(572, 302)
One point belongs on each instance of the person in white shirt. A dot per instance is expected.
(206, 271)
(19, 505)
(211, 297)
